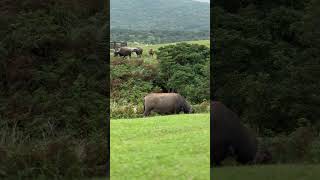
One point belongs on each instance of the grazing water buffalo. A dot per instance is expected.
(123, 51)
(151, 52)
(165, 103)
(230, 135)
(138, 51)
(263, 157)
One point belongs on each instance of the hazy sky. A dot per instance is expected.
(203, 0)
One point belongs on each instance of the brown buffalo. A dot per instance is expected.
(123, 51)
(165, 103)
(138, 51)
(228, 134)
(151, 52)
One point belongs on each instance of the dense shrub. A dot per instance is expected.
(314, 151)
(131, 80)
(136, 111)
(184, 68)
(204, 107)
(297, 147)
(53, 84)
(126, 111)
(266, 56)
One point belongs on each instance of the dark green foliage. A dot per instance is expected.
(266, 64)
(54, 91)
(131, 80)
(59, 159)
(298, 146)
(185, 68)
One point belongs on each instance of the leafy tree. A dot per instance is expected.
(266, 56)
(184, 68)
(54, 93)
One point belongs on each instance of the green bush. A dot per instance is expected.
(53, 84)
(296, 147)
(314, 151)
(185, 68)
(126, 111)
(136, 111)
(204, 107)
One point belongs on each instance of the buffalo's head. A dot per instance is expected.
(187, 108)
(263, 157)
(116, 53)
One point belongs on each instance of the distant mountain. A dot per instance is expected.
(176, 15)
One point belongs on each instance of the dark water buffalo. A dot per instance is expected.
(165, 103)
(263, 157)
(123, 51)
(230, 135)
(151, 52)
(138, 51)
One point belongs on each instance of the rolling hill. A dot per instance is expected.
(173, 15)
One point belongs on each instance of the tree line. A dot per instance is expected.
(156, 36)
(266, 62)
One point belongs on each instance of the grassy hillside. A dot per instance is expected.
(147, 47)
(162, 147)
(268, 172)
(186, 15)
(133, 78)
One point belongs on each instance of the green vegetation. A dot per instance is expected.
(184, 68)
(268, 172)
(132, 79)
(157, 36)
(161, 147)
(53, 90)
(147, 47)
(266, 69)
(157, 46)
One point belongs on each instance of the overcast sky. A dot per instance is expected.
(203, 0)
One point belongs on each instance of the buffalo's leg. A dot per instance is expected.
(146, 112)
(219, 154)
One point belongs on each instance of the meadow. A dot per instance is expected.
(161, 147)
(146, 47)
(156, 46)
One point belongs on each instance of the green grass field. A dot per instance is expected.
(268, 172)
(146, 47)
(161, 147)
(157, 46)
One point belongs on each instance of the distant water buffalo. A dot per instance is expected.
(138, 51)
(151, 52)
(165, 103)
(123, 51)
(228, 134)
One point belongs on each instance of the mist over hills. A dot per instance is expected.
(170, 15)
